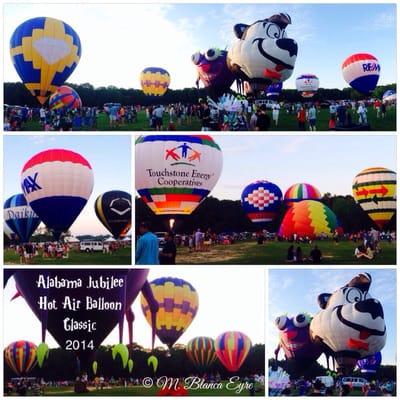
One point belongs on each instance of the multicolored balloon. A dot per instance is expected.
(20, 217)
(154, 81)
(212, 69)
(45, 51)
(114, 210)
(307, 85)
(178, 303)
(57, 184)
(20, 357)
(299, 192)
(175, 173)
(369, 365)
(232, 349)
(261, 201)
(361, 71)
(374, 189)
(65, 98)
(274, 90)
(201, 352)
(308, 218)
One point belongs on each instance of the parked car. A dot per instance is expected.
(90, 246)
(354, 382)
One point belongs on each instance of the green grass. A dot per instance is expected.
(140, 391)
(272, 253)
(121, 257)
(286, 122)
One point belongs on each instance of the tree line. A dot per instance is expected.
(15, 93)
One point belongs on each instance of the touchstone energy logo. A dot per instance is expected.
(120, 206)
(183, 155)
(176, 386)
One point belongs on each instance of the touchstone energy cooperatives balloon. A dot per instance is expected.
(20, 356)
(361, 71)
(114, 210)
(374, 189)
(57, 184)
(232, 349)
(45, 51)
(178, 303)
(261, 201)
(308, 218)
(154, 81)
(175, 173)
(20, 217)
(65, 98)
(299, 192)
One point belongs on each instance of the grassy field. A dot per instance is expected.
(121, 257)
(286, 122)
(140, 391)
(272, 253)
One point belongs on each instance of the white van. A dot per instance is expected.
(354, 382)
(89, 246)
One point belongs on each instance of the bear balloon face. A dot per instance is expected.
(263, 52)
(351, 322)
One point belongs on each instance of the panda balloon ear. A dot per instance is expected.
(282, 20)
(239, 29)
(323, 299)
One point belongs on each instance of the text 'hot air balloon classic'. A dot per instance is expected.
(154, 81)
(20, 217)
(45, 51)
(57, 184)
(361, 71)
(20, 356)
(374, 189)
(64, 99)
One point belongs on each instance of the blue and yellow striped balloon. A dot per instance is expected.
(154, 81)
(178, 303)
(45, 51)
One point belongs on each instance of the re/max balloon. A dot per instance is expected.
(374, 189)
(299, 192)
(175, 173)
(178, 303)
(65, 98)
(20, 217)
(308, 218)
(201, 352)
(45, 51)
(154, 81)
(57, 184)
(232, 349)
(114, 210)
(20, 356)
(261, 201)
(361, 71)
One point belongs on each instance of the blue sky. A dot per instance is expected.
(329, 162)
(135, 36)
(227, 301)
(109, 156)
(296, 290)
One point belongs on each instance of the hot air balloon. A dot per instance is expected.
(65, 98)
(361, 71)
(57, 183)
(274, 90)
(114, 210)
(178, 303)
(308, 218)
(232, 349)
(20, 356)
(45, 51)
(174, 173)
(154, 81)
(299, 192)
(369, 365)
(307, 85)
(201, 352)
(261, 201)
(350, 324)
(20, 217)
(374, 189)
(389, 96)
(278, 381)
